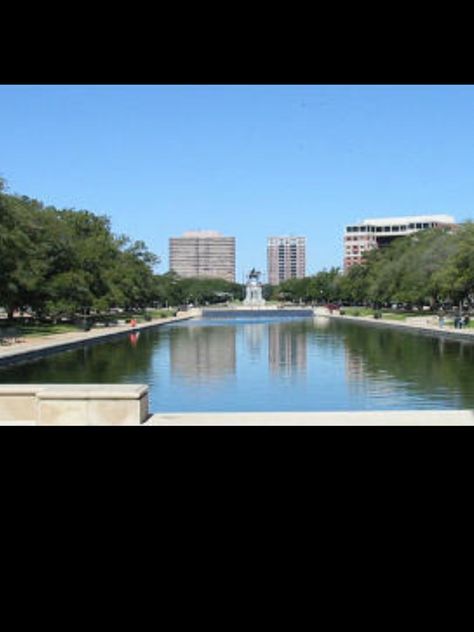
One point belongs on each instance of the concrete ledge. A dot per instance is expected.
(343, 418)
(67, 404)
(258, 312)
(92, 391)
(18, 401)
(426, 330)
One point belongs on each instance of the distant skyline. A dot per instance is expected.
(248, 161)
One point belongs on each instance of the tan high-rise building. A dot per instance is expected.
(286, 258)
(204, 253)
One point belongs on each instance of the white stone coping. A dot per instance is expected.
(20, 389)
(333, 418)
(92, 391)
(76, 391)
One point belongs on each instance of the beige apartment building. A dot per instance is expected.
(204, 253)
(286, 258)
(377, 233)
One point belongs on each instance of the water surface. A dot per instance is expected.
(271, 365)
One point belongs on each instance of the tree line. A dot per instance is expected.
(66, 263)
(432, 267)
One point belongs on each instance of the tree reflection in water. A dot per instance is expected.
(428, 366)
(123, 360)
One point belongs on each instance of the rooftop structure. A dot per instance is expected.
(201, 234)
(377, 233)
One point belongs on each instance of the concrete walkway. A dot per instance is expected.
(41, 345)
(427, 325)
(339, 418)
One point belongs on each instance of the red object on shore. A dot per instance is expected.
(133, 322)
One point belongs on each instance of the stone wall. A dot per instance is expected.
(74, 404)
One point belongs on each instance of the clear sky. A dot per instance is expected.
(248, 161)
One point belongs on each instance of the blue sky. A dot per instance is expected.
(248, 161)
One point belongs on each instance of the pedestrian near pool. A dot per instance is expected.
(133, 323)
(441, 321)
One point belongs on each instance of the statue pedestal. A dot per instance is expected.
(253, 295)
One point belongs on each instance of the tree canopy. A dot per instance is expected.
(64, 262)
(427, 268)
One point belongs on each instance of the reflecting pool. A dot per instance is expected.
(271, 365)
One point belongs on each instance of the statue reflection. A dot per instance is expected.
(286, 349)
(253, 336)
(321, 322)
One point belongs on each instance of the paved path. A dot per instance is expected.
(339, 418)
(422, 324)
(33, 346)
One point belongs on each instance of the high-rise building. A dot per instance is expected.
(286, 258)
(377, 233)
(203, 254)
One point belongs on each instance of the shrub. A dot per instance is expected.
(377, 314)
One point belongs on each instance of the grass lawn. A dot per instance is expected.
(46, 329)
(358, 311)
(37, 330)
(158, 313)
(401, 316)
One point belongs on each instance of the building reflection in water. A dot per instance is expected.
(286, 349)
(203, 353)
(253, 336)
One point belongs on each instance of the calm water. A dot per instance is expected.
(292, 365)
